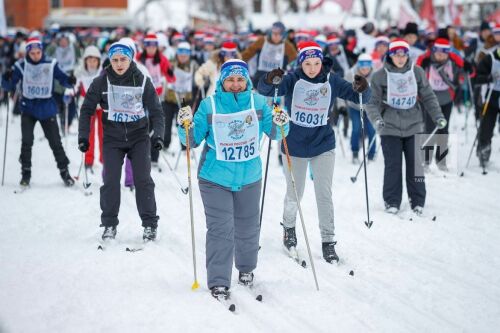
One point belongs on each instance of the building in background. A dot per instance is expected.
(34, 14)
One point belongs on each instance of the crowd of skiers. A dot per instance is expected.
(128, 88)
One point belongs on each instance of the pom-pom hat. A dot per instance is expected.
(33, 42)
(441, 45)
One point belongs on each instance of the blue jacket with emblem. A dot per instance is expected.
(39, 108)
(307, 142)
(232, 175)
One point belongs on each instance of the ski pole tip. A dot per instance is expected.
(195, 286)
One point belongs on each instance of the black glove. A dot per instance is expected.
(170, 71)
(157, 143)
(275, 76)
(72, 80)
(468, 67)
(83, 145)
(327, 64)
(359, 84)
(7, 75)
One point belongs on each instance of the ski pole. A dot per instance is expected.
(77, 177)
(183, 189)
(485, 107)
(339, 136)
(368, 222)
(5, 144)
(289, 161)
(275, 109)
(353, 179)
(195, 285)
(86, 183)
(429, 138)
(66, 107)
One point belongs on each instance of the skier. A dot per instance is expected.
(90, 69)
(397, 116)
(273, 51)
(309, 93)
(488, 72)
(37, 104)
(182, 90)
(230, 172)
(124, 93)
(363, 67)
(442, 68)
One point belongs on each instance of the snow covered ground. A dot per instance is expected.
(409, 276)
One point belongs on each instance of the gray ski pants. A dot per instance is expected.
(232, 230)
(322, 171)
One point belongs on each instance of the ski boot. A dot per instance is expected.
(391, 209)
(25, 177)
(220, 293)
(355, 157)
(149, 234)
(109, 233)
(245, 279)
(66, 177)
(289, 238)
(329, 252)
(418, 210)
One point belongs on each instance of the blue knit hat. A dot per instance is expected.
(120, 48)
(234, 67)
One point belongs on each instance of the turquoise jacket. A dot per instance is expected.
(232, 175)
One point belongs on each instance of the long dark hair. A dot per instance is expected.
(156, 58)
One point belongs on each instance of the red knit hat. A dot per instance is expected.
(441, 44)
(398, 44)
(229, 47)
(309, 49)
(496, 28)
(33, 42)
(151, 39)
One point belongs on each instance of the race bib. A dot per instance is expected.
(38, 80)
(236, 135)
(125, 103)
(310, 103)
(402, 89)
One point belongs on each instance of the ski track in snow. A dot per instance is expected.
(409, 276)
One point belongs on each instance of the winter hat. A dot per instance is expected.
(398, 44)
(33, 42)
(333, 40)
(130, 43)
(91, 51)
(302, 35)
(496, 29)
(234, 67)
(199, 35)
(120, 48)
(484, 26)
(178, 37)
(364, 60)
(183, 48)
(228, 49)
(411, 28)
(382, 40)
(209, 39)
(151, 40)
(252, 38)
(309, 49)
(162, 40)
(278, 26)
(441, 45)
(321, 40)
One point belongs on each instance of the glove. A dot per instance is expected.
(280, 118)
(359, 84)
(170, 71)
(380, 124)
(468, 67)
(275, 76)
(72, 80)
(441, 123)
(83, 145)
(185, 115)
(157, 143)
(7, 75)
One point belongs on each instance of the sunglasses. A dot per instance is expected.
(399, 53)
(146, 44)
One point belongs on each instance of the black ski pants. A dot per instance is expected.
(114, 153)
(489, 120)
(393, 147)
(51, 131)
